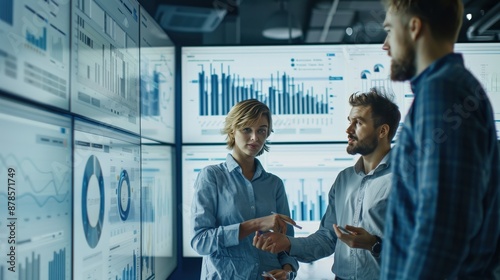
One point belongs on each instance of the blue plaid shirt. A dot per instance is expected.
(443, 217)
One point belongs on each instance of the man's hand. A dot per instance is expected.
(272, 242)
(359, 238)
(273, 222)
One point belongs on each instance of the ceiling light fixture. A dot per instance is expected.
(281, 25)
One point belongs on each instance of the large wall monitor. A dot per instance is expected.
(34, 50)
(159, 244)
(306, 87)
(107, 189)
(307, 183)
(157, 81)
(483, 60)
(105, 62)
(35, 168)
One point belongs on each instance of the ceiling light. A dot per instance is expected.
(281, 25)
(348, 31)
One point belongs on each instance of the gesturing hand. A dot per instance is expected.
(272, 242)
(359, 237)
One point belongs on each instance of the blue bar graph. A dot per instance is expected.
(307, 203)
(33, 35)
(31, 268)
(284, 96)
(129, 273)
(37, 41)
(57, 266)
(6, 13)
(150, 93)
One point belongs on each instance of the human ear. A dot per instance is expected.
(384, 131)
(415, 27)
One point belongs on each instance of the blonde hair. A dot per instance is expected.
(244, 114)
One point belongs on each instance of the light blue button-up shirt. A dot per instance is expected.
(223, 199)
(356, 199)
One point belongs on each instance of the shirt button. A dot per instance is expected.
(253, 207)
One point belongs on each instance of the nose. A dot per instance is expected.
(386, 46)
(254, 136)
(349, 129)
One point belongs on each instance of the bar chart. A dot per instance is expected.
(40, 152)
(304, 88)
(158, 93)
(34, 52)
(105, 64)
(6, 13)
(57, 266)
(218, 92)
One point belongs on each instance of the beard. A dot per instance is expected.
(363, 147)
(404, 69)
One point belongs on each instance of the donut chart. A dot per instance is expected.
(92, 229)
(124, 195)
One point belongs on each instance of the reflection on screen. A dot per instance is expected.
(482, 59)
(106, 220)
(36, 211)
(105, 61)
(159, 257)
(34, 50)
(157, 81)
(306, 87)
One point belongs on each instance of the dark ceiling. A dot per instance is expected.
(240, 22)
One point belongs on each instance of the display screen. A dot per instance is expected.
(35, 166)
(157, 81)
(34, 50)
(307, 170)
(105, 62)
(306, 87)
(107, 213)
(483, 60)
(159, 250)
(307, 184)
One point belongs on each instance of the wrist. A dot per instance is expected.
(376, 248)
(287, 267)
(288, 245)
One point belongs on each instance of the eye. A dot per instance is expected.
(246, 130)
(262, 131)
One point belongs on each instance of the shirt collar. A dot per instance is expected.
(451, 58)
(383, 164)
(232, 164)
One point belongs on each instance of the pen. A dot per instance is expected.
(297, 226)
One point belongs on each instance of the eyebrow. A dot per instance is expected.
(356, 118)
